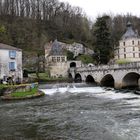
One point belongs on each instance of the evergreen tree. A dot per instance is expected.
(103, 47)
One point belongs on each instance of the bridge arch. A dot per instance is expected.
(78, 78)
(107, 81)
(70, 77)
(72, 65)
(131, 80)
(90, 79)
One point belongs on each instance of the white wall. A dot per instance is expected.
(4, 64)
(128, 49)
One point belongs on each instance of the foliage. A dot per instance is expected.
(86, 59)
(2, 29)
(41, 75)
(70, 55)
(122, 61)
(29, 24)
(103, 39)
(3, 86)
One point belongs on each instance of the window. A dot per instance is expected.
(58, 59)
(124, 50)
(133, 55)
(133, 48)
(138, 43)
(133, 42)
(63, 59)
(123, 43)
(12, 54)
(53, 59)
(12, 66)
(124, 55)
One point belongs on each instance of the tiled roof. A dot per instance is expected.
(130, 33)
(8, 47)
(56, 48)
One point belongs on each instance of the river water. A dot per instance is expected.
(72, 112)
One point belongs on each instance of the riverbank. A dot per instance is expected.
(44, 78)
(10, 97)
(20, 92)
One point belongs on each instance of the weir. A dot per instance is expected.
(70, 88)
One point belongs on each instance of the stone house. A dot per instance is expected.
(129, 46)
(56, 60)
(10, 63)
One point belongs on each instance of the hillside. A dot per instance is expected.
(29, 24)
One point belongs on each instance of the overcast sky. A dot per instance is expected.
(93, 8)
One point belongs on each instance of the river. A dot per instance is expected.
(72, 112)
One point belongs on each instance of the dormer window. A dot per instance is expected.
(12, 54)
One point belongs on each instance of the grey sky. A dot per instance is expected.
(93, 8)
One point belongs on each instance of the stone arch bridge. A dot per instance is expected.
(118, 75)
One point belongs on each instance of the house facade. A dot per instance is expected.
(10, 63)
(129, 46)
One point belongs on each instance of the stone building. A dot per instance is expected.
(10, 63)
(56, 60)
(129, 46)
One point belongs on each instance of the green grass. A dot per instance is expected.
(2, 86)
(24, 94)
(45, 77)
(41, 75)
(123, 61)
(86, 59)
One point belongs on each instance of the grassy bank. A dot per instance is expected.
(24, 94)
(44, 77)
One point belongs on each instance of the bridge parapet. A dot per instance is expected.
(132, 65)
(122, 75)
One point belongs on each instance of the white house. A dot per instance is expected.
(10, 63)
(129, 46)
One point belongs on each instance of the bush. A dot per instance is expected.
(86, 59)
(122, 61)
